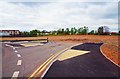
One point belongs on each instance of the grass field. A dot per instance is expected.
(110, 47)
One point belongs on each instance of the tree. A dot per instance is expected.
(100, 30)
(80, 30)
(84, 30)
(34, 32)
(25, 33)
(92, 32)
(72, 31)
(60, 31)
(67, 31)
(75, 30)
(63, 32)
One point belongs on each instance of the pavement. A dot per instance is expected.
(85, 60)
(21, 59)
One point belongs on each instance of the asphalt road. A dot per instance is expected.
(93, 64)
(20, 61)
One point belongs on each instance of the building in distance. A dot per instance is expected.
(9, 32)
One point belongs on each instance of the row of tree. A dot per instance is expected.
(31, 33)
(67, 31)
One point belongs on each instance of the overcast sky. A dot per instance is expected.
(26, 16)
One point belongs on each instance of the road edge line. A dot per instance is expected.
(107, 57)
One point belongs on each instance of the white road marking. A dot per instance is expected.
(18, 55)
(13, 48)
(8, 45)
(16, 51)
(19, 62)
(16, 47)
(15, 74)
(31, 44)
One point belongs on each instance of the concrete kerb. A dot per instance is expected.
(106, 56)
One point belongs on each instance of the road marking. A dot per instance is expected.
(16, 47)
(15, 74)
(71, 53)
(13, 48)
(19, 62)
(40, 70)
(16, 51)
(42, 67)
(31, 44)
(7, 45)
(18, 55)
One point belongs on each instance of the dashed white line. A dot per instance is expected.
(18, 55)
(19, 62)
(15, 74)
(16, 51)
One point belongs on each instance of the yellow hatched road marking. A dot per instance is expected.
(71, 53)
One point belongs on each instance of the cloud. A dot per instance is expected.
(60, 0)
(54, 15)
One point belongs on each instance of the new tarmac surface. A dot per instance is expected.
(21, 61)
(92, 64)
